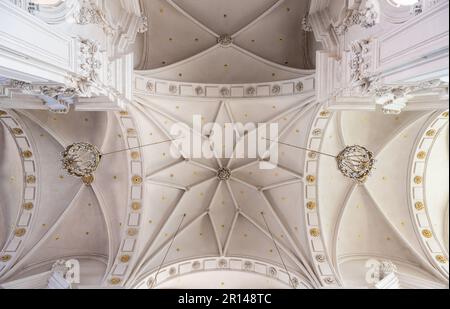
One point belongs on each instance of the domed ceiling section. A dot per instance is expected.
(225, 42)
(50, 215)
(377, 220)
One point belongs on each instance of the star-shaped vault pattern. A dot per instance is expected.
(230, 216)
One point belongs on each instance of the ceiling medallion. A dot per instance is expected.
(196, 265)
(222, 263)
(248, 266)
(427, 234)
(272, 272)
(20, 232)
(421, 155)
(312, 155)
(81, 159)
(137, 180)
(31, 180)
(311, 179)
(418, 180)
(224, 174)
(225, 40)
(251, 91)
(225, 92)
(5, 258)
(311, 205)
(135, 155)
(431, 133)
(330, 280)
(315, 232)
(125, 258)
(420, 206)
(88, 180)
(276, 89)
(317, 132)
(17, 131)
(356, 162)
(173, 271)
(136, 206)
(27, 154)
(321, 258)
(199, 91)
(132, 232)
(173, 89)
(324, 114)
(28, 206)
(441, 259)
(115, 281)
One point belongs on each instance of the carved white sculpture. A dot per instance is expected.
(379, 271)
(366, 18)
(64, 274)
(394, 98)
(359, 65)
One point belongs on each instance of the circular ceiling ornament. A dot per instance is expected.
(441, 259)
(28, 206)
(27, 154)
(314, 232)
(427, 234)
(88, 180)
(125, 259)
(115, 281)
(225, 40)
(224, 174)
(356, 162)
(420, 206)
(311, 205)
(20, 232)
(81, 159)
(5, 258)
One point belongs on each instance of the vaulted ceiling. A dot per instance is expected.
(267, 41)
(152, 220)
(218, 222)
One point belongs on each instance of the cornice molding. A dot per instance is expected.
(145, 86)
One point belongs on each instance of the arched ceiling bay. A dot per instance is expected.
(374, 220)
(70, 219)
(437, 186)
(266, 41)
(223, 218)
(11, 185)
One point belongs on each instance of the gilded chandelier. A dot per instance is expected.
(81, 160)
(356, 162)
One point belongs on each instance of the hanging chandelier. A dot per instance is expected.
(354, 162)
(82, 159)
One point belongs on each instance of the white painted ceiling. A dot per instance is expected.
(359, 222)
(223, 218)
(268, 42)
